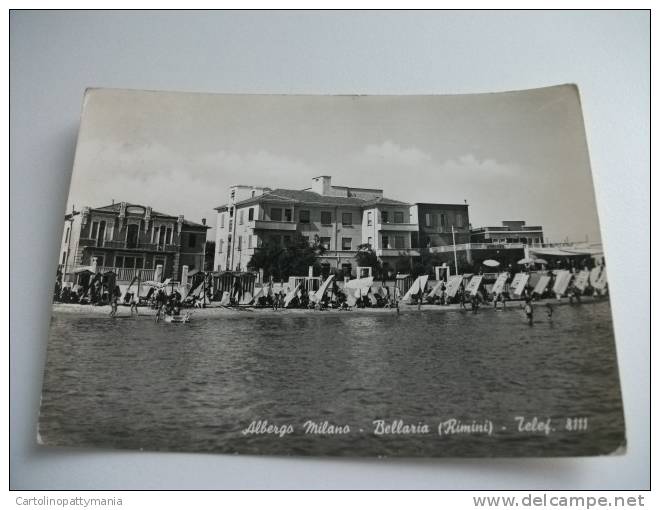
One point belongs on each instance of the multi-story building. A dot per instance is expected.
(124, 237)
(506, 244)
(443, 224)
(340, 218)
(508, 232)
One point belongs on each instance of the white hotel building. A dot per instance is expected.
(339, 217)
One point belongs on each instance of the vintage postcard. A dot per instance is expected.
(391, 276)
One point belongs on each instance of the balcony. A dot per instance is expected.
(272, 225)
(121, 245)
(397, 227)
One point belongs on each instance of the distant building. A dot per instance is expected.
(506, 244)
(508, 232)
(340, 218)
(443, 224)
(125, 237)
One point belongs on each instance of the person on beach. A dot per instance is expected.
(462, 297)
(550, 310)
(161, 300)
(114, 301)
(529, 311)
(475, 303)
(134, 304)
(443, 294)
(499, 298)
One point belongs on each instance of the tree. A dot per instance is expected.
(280, 262)
(209, 254)
(402, 265)
(366, 257)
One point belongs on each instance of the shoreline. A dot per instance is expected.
(215, 310)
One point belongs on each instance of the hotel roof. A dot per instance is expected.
(287, 196)
(114, 208)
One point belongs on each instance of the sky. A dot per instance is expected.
(511, 155)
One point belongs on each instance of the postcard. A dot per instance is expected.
(373, 276)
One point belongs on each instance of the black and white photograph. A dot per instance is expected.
(333, 275)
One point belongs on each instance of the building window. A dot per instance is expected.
(251, 213)
(398, 242)
(347, 219)
(95, 229)
(369, 241)
(66, 236)
(386, 242)
(459, 220)
(240, 243)
(443, 221)
(428, 220)
(325, 243)
(326, 218)
(231, 224)
(347, 269)
(249, 241)
(304, 216)
(240, 217)
(287, 215)
(369, 219)
(276, 214)
(398, 217)
(169, 236)
(346, 243)
(384, 217)
(220, 242)
(222, 221)
(192, 240)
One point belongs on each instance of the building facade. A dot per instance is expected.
(443, 224)
(506, 244)
(340, 218)
(125, 238)
(508, 232)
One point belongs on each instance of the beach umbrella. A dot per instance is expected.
(526, 260)
(491, 263)
(540, 261)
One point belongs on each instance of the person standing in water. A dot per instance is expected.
(529, 311)
(114, 301)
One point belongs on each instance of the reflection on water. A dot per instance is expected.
(138, 384)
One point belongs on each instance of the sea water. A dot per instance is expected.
(417, 383)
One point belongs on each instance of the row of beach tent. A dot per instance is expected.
(596, 277)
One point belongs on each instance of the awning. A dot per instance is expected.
(568, 251)
(83, 269)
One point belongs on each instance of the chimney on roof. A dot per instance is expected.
(113, 201)
(203, 221)
(321, 184)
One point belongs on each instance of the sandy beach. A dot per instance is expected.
(215, 310)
